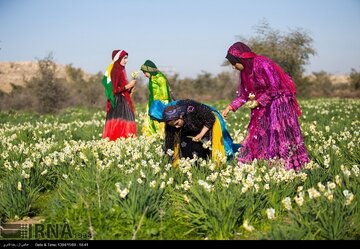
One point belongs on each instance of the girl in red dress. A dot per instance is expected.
(120, 112)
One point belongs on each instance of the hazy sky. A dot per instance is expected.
(189, 35)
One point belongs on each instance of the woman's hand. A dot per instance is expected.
(202, 133)
(197, 138)
(130, 85)
(226, 111)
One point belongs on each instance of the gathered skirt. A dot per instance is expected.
(274, 133)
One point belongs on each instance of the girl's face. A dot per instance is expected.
(147, 74)
(238, 66)
(124, 60)
(177, 123)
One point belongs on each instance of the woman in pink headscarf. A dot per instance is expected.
(273, 131)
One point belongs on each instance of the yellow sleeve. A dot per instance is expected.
(160, 88)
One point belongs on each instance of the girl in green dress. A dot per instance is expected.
(158, 90)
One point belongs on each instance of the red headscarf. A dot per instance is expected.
(118, 75)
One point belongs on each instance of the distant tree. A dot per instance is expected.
(74, 74)
(76, 86)
(355, 79)
(182, 88)
(321, 85)
(94, 91)
(49, 93)
(291, 51)
(205, 87)
(227, 83)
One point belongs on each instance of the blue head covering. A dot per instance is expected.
(157, 108)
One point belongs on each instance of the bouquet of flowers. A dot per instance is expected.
(134, 74)
(252, 103)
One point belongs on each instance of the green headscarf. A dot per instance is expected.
(149, 67)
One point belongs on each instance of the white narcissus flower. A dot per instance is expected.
(207, 186)
(287, 203)
(185, 185)
(152, 184)
(329, 195)
(321, 187)
(251, 96)
(170, 152)
(356, 170)
(331, 185)
(123, 193)
(206, 144)
(142, 174)
(270, 212)
(299, 200)
(313, 193)
(186, 198)
(251, 104)
(247, 226)
(349, 197)
(338, 180)
(26, 176)
(19, 186)
(212, 177)
(134, 74)
(162, 185)
(170, 181)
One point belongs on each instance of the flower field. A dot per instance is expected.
(59, 169)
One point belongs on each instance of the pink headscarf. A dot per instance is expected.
(241, 50)
(241, 53)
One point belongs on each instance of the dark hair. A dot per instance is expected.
(232, 59)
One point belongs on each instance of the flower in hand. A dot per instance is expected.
(134, 74)
(195, 139)
(252, 104)
(251, 96)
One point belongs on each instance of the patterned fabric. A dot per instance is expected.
(273, 131)
(149, 67)
(174, 112)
